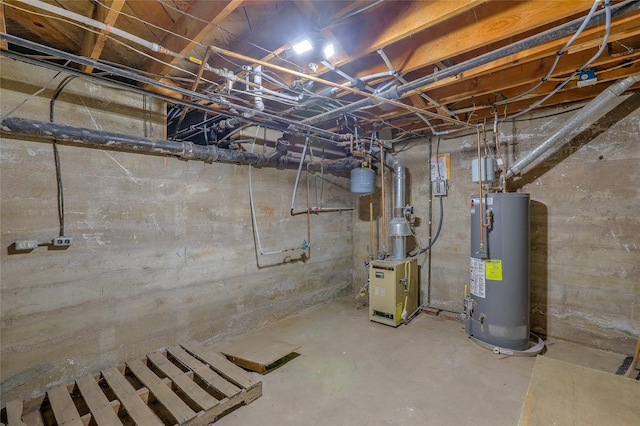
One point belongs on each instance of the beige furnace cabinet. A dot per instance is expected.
(393, 288)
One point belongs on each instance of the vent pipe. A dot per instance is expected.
(398, 226)
(593, 110)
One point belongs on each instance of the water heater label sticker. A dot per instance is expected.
(494, 270)
(477, 282)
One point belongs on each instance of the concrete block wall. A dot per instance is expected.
(585, 225)
(163, 248)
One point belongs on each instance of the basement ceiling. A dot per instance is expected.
(379, 46)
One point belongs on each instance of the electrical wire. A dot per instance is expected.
(559, 54)
(421, 250)
(56, 153)
(33, 95)
(607, 5)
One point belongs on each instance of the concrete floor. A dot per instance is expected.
(355, 372)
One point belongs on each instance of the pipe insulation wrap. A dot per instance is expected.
(593, 110)
(185, 150)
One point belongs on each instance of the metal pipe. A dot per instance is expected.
(100, 25)
(371, 97)
(402, 80)
(292, 126)
(596, 108)
(399, 226)
(519, 46)
(186, 150)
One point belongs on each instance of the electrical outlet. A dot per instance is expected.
(62, 241)
(26, 244)
(439, 187)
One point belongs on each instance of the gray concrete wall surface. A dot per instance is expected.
(585, 225)
(163, 248)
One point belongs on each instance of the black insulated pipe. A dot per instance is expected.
(519, 46)
(185, 150)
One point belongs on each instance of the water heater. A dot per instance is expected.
(497, 305)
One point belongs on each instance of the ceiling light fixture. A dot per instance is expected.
(329, 51)
(302, 47)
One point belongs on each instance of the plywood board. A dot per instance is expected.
(566, 394)
(259, 353)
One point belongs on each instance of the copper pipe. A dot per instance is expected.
(339, 86)
(371, 250)
(194, 86)
(384, 210)
(480, 188)
(308, 216)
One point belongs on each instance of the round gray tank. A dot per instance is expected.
(499, 283)
(362, 181)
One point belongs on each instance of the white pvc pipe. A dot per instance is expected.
(97, 24)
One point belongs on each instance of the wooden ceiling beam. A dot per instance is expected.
(492, 22)
(398, 21)
(3, 27)
(92, 43)
(193, 31)
(522, 76)
(607, 76)
(50, 31)
(619, 30)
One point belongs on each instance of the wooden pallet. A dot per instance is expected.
(190, 384)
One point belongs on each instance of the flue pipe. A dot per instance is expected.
(593, 110)
(398, 226)
(186, 150)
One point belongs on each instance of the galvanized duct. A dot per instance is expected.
(595, 109)
(398, 226)
(185, 150)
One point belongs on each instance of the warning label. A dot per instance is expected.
(477, 282)
(493, 270)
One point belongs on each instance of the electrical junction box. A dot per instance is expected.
(393, 288)
(439, 187)
(587, 78)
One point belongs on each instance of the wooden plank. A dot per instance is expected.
(388, 25)
(63, 407)
(98, 404)
(204, 372)
(3, 27)
(193, 31)
(259, 353)
(567, 394)
(183, 381)
(488, 23)
(169, 400)
(132, 403)
(223, 366)
(14, 413)
(92, 43)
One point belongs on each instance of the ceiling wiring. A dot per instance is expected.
(607, 5)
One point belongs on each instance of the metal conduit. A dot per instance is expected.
(596, 108)
(397, 92)
(185, 150)
(292, 126)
